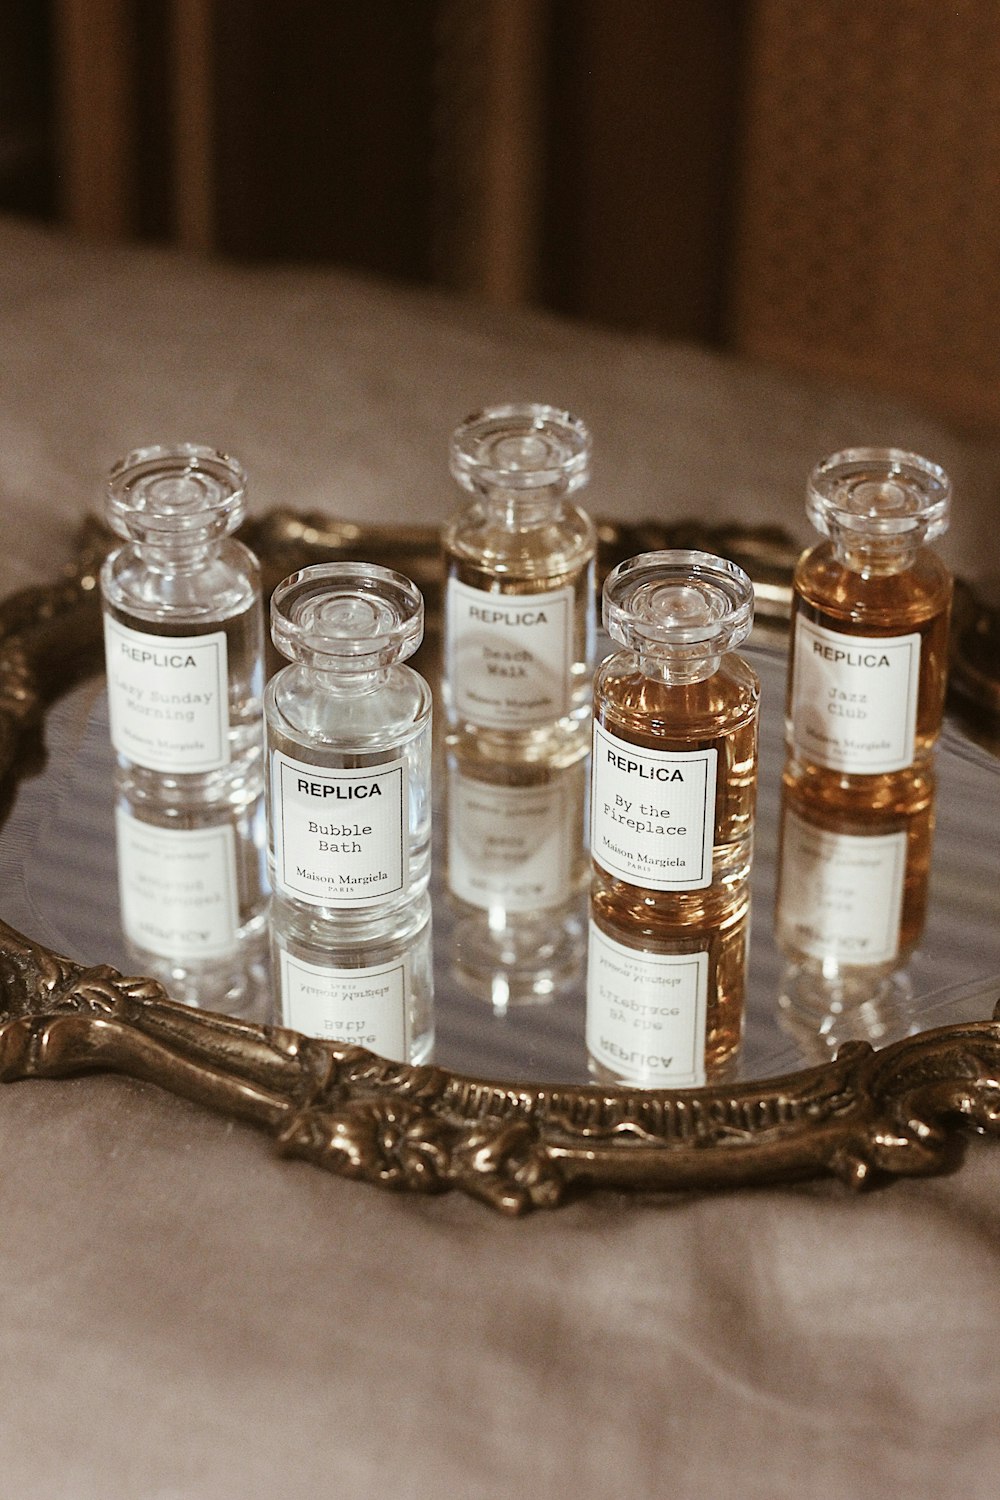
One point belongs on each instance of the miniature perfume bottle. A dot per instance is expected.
(868, 664)
(666, 1013)
(675, 743)
(183, 629)
(349, 741)
(517, 867)
(519, 606)
(362, 980)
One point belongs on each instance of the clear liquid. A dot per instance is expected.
(530, 548)
(717, 713)
(893, 600)
(222, 595)
(354, 729)
(726, 945)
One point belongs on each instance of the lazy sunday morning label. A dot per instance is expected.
(177, 888)
(854, 700)
(653, 813)
(340, 835)
(509, 655)
(168, 698)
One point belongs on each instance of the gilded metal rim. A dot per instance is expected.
(866, 1115)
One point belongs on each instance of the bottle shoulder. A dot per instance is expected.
(226, 583)
(559, 545)
(629, 702)
(300, 707)
(886, 602)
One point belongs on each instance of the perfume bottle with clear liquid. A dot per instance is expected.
(519, 629)
(869, 654)
(183, 629)
(674, 769)
(348, 743)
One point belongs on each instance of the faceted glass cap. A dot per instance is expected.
(347, 615)
(878, 493)
(521, 448)
(678, 603)
(175, 491)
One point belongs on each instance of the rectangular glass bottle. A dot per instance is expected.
(675, 743)
(868, 661)
(519, 594)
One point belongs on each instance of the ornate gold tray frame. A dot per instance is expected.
(868, 1114)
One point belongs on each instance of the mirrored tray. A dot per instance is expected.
(505, 1106)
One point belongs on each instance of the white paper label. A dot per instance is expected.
(364, 1006)
(512, 846)
(168, 698)
(509, 655)
(340, 836)
(854, 705)
(646, 1013)
(841, 893)
(177, 888)
(653, 813)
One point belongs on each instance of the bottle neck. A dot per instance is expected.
(340, 682)
(875, 557)
(675, 670)
(177, 556)
(517, 510)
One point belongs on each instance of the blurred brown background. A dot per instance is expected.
(817, 184)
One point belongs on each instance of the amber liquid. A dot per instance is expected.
(553, 550)
(914, 599)
(916, 822)
(717, 713)
(726, 944)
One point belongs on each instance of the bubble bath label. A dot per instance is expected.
(646, 1013)
(340, 835)
(168, 699)
(509, 655)
(854, 703)
(365, 1006)
(653, 813)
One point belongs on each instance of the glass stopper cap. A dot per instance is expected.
(175, 491)
(521, 448)
(347, 614)
(678, 602)
(878, 493)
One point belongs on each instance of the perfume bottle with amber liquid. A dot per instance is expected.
(519, 596)
(675, 744)
(869, 655)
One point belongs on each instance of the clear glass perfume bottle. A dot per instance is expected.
(183, 629)
(667, 1011)
(349, 742)
(868, 664)
(674, 768)
(361, 979)
(517, 866)
(519, 605)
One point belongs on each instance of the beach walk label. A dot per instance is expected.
(510, 655)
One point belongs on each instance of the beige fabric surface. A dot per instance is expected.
(184, 1315)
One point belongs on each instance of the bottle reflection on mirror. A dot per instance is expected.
(850, 909)
(516, 866)
(366, 981)
(193, 900)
